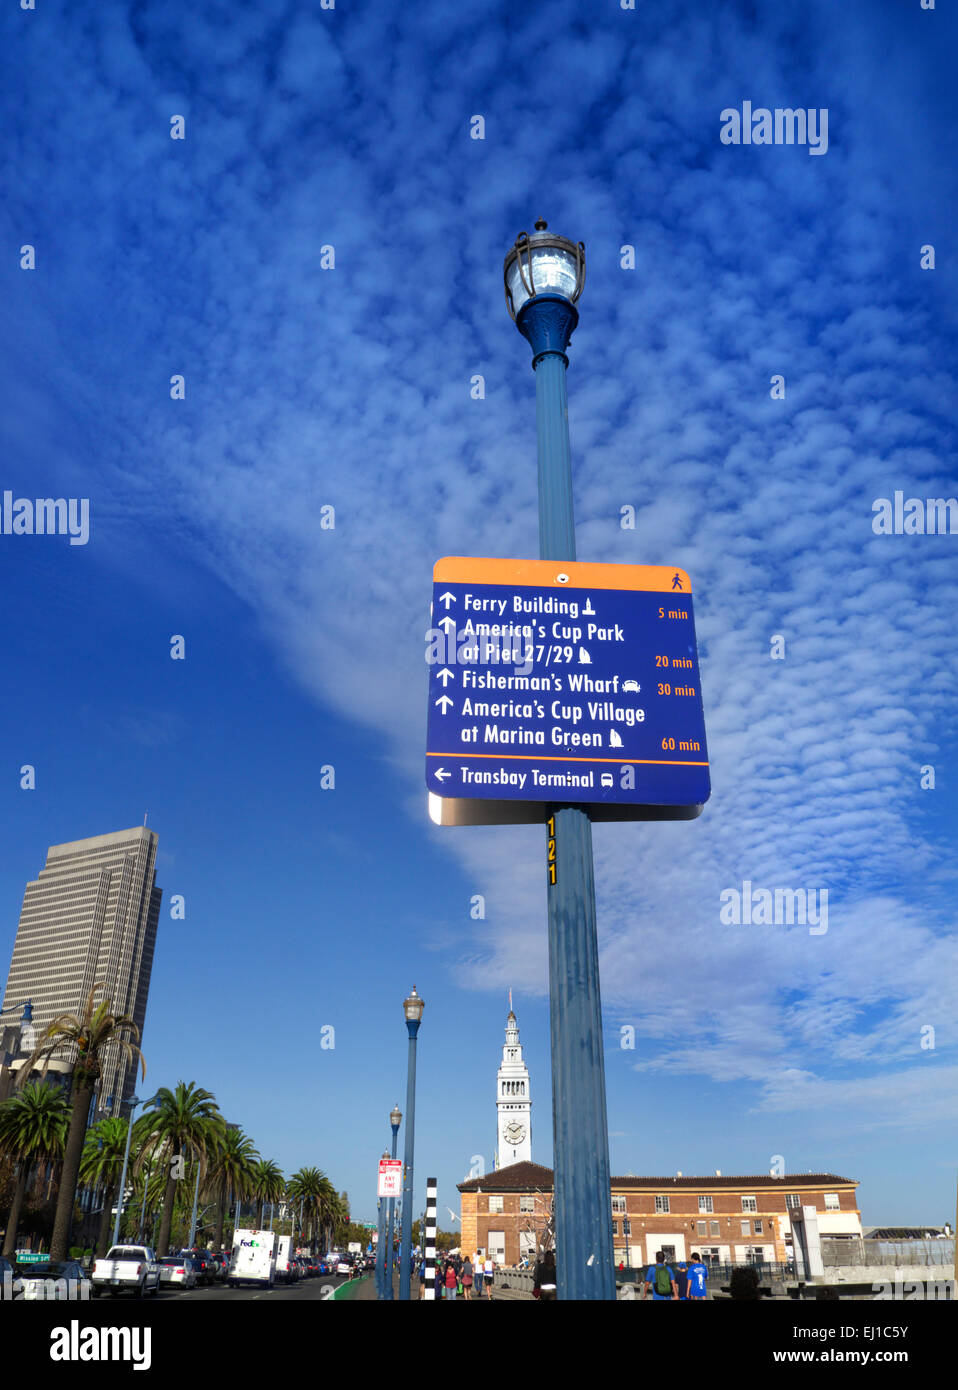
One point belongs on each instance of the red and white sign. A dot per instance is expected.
(390, 1177)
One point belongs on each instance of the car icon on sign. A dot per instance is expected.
(607, 779)
(631, 685)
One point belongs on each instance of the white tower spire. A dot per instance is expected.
(513, 1099)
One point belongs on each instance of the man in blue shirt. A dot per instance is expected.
(660, 1279)
(698, 1273)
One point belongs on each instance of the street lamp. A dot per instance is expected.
(544, 275)
(133, 1102)
(395, 1120)
(412, 1010)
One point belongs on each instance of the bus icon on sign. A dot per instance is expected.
(607, 779)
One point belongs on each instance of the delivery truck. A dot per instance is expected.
(253, 1260)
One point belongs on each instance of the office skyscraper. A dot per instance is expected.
(89, 918)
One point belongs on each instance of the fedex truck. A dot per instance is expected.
(286, 1270)
(253, 1260)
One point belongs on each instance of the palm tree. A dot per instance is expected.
(231, 1172)
(89, 1035)
(33, 1128)
(268, 1184)
(321, 1205)
(101, 1166)
(183, 1123)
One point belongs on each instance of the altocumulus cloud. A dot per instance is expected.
(350, 387)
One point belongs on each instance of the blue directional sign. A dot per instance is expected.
(565, 683)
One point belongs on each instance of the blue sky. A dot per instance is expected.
(350, 387)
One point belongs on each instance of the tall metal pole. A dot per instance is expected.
(196, 1193)
(412, 1026)
(389, 1219)
(126, 1159)
(584, 1253)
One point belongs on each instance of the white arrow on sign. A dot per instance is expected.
(444, 702)
(447, 598)
(445, 676)
(442, 774)
(447, 619)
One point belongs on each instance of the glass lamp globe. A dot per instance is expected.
(413, 1007)
(543, 263)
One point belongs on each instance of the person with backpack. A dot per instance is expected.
(698, 1273)
(660, 1279)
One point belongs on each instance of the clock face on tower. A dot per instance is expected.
(514, 1132)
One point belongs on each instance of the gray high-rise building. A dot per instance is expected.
(90, 918)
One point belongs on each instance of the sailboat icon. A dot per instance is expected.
(615, 740)
(584, 657)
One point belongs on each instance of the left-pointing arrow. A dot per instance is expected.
(442, 774)
(444, 702)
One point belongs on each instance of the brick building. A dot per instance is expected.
(736, 1220)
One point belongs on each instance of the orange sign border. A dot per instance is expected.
(541, 574)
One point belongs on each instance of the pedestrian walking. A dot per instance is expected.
(660, 1279)
(544, 1279)
(451, 1280)
(477, 1267)
(466, 1277)
(698, 1274)
(682, 1279)
(488, 1271)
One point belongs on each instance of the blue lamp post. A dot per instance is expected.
(395, 1120)
(382, 1258)
(544, 275)
(412, 1008)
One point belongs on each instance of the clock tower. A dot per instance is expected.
(513, 1101)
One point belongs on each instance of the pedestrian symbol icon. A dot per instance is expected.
(677, 582)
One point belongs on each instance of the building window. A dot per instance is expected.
(495, 1203)
(746, 1228)
(626, 1228)
(615, 1228)
(758, 1228)
(618, 1204)
(793, 1200)
(749, 1204)
(705, 1204)
(662, 1204)
(527, 1203)
(713, 1228)
(831, 1201)
(702, 1227)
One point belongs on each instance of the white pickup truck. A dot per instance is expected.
(132, 1267)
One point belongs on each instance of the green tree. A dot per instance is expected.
(268, 1184)
(88, 1036)
(230, 1173)
(33, 1129)
(320, 1202)
(183, 1124)
(101, 1166)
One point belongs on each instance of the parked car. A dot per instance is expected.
(130, 1267)
(204, 1264)
(62, 1279)
(7, 1276)
(304, 1265)
(178, 1271)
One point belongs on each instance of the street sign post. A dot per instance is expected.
(390, 1177)
(563, 682)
